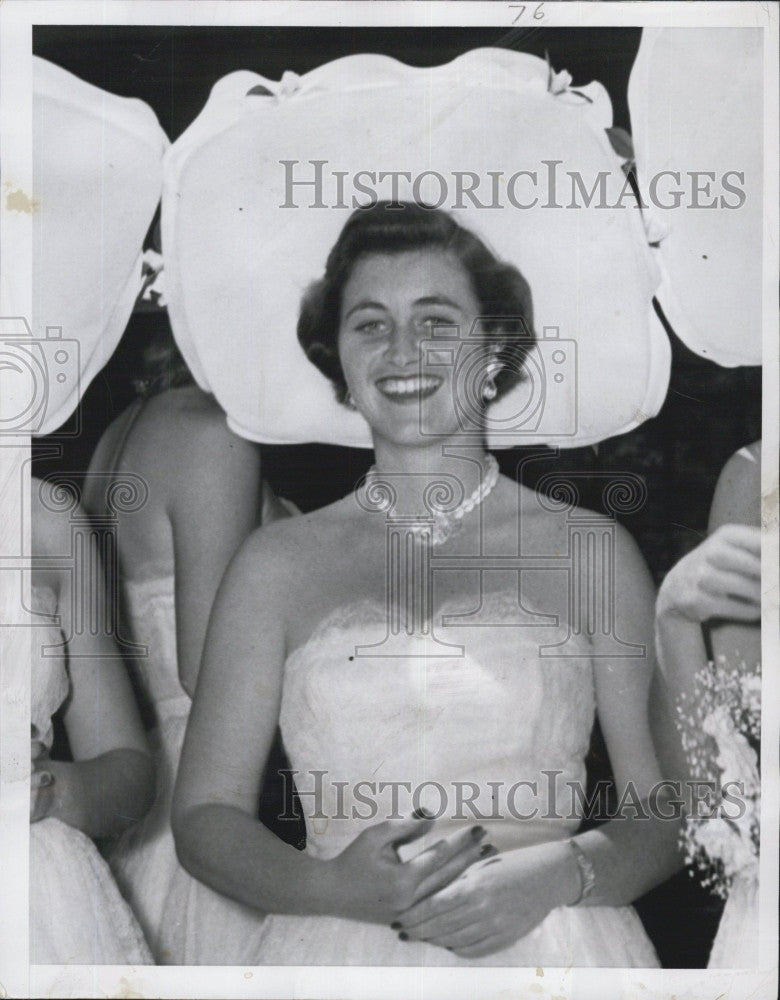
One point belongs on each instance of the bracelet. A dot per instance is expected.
(587, 872)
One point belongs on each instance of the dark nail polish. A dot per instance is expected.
(422, 814)
(46, 778)
(403, 936)
(396, 925)
(487, 850)
(477, 832)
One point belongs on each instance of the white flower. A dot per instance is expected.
(736, 758)
(751, 692)
(716, 723)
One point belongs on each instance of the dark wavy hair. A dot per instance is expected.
(502, 292)
(162, 366)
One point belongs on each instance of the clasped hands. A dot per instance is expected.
(51, 786)
(460, 893)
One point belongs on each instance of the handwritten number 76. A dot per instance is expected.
(521, 7)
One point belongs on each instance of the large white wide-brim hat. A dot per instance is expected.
(693, 95)
(242, 239)
(97, 176)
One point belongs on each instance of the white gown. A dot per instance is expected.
(736, 943)
(77, 915)
(185, 922)
(498, 714)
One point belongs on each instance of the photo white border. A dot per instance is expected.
(17, 978)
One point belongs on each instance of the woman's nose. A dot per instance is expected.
(404, 346)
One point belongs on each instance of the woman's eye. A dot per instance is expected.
(370, 326)
(434, 321)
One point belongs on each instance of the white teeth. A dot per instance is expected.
(409, 386)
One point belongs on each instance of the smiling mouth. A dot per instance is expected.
(409, 388)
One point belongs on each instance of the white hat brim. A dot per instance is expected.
(97, 161)
(237, 264)
(689, 92)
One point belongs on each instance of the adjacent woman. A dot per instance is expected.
(405, 677)
(715, 592)
(77, 914)
(205, 495)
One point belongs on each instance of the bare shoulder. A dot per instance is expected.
(289, 554)
(737, 498)
(315, 534)
(552, 514)
(179, 438)
(189, 420)
(177, 422)
(549, 520)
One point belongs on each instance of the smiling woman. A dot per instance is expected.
(370, 635)
(491, 289)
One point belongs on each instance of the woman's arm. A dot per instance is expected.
(717, 585)
(231, 726)
(737, 500)
(110, 783)
(214, 500)
(501, 900)
(636, 851)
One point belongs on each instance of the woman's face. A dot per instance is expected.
(390, 303)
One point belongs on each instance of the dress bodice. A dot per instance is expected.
(50, 683)
(491, 733)
(184, 921)
(151, 611)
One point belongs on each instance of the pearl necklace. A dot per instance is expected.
(447, 523)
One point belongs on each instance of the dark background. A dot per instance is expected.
(709, 412)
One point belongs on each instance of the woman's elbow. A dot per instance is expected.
(187, 826)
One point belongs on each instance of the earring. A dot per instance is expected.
(489, 391)
(349, 401)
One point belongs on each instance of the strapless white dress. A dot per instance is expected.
(488, 719)
(736, 943)
(185, 922)
(77, 915)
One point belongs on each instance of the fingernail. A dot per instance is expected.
(396, 925)
(477, 832)
(422, 814)
(403, 936)
(45, 778)
(34, 731)
(487, 850)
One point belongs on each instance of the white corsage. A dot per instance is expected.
(721, 730)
